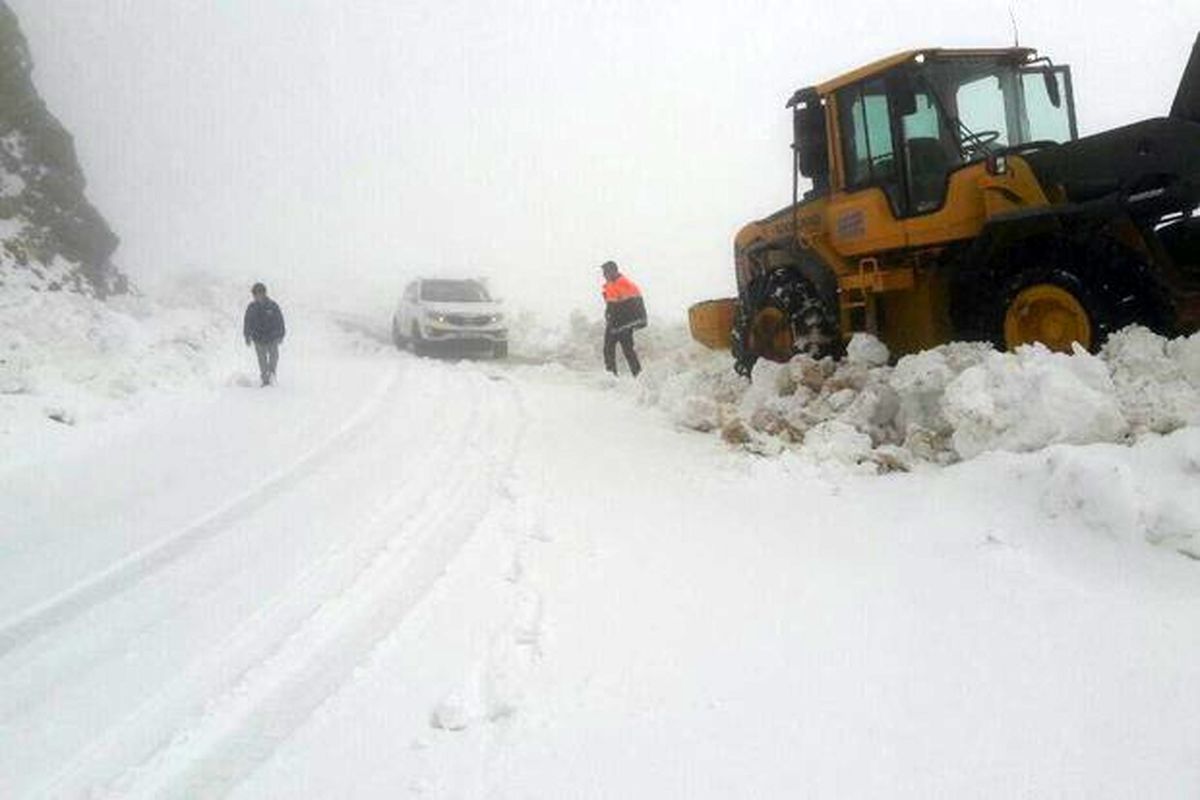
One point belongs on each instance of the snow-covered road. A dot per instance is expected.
(176, 601)
(391, 576)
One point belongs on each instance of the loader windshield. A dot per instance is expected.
(946, 112)
(991, 103)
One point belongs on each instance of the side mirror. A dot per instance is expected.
(905, 103)
(1051, 80)
(808, 128)
(902, 93)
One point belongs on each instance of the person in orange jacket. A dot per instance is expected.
(624, 312)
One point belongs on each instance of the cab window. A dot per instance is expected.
(866, 133)
(928, 157)
(1042, 119)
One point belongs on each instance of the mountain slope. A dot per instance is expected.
(50, 235)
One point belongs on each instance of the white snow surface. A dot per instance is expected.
(967, 574)
(946, 404)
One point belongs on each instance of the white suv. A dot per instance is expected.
(456, 314)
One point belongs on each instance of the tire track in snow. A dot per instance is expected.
(236, 739)
(35, 673)
(156, 717)
(28, 625)
(278, 668)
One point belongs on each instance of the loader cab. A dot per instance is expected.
(906, 125)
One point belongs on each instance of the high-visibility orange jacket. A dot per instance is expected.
(624, 308)
(620, 289)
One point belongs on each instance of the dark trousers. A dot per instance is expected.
(625, 339)
(268, 359)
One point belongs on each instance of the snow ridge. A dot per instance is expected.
(951, 403)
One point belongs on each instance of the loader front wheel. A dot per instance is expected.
(1084, 293)
(1051, 312)
(782, 315)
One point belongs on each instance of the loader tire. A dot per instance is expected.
(743, 358)
(1079, 293)
(781, 315)
(1053, 307)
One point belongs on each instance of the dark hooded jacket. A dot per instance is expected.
(264, 321)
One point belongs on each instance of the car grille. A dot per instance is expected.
(469, 320)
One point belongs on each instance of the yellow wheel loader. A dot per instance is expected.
(951, 198)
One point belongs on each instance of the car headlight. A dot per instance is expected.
(497, 318)
(433, 316)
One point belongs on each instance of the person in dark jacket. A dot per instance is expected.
(264, 326)
(624, 312)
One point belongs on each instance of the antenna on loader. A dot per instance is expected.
(1012, 17)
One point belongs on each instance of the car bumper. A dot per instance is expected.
(447, 333)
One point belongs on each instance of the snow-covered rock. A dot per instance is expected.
(451, 714)
(50, 235)
(865, 349)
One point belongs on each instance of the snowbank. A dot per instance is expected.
(946, 404)
(577, 342)
(1130, 494)
(67, 358)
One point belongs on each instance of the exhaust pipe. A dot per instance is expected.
(1187, 98)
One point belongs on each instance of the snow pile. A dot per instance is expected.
(577, 343)
(69, 357)
(1156, 381)
(574, 344)
(1030, 399)
(941, 405)
(1136, 494)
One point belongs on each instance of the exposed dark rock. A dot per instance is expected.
(45, 219)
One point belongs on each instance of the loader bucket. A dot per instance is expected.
(1187, 98)
(711, 322)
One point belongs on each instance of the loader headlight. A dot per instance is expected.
(997, 165)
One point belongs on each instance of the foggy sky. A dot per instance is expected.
(342, 147)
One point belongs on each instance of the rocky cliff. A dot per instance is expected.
(51, 237)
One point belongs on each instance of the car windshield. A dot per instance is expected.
(444, 291)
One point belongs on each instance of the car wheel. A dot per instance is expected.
(397, 339)
(419, 345)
